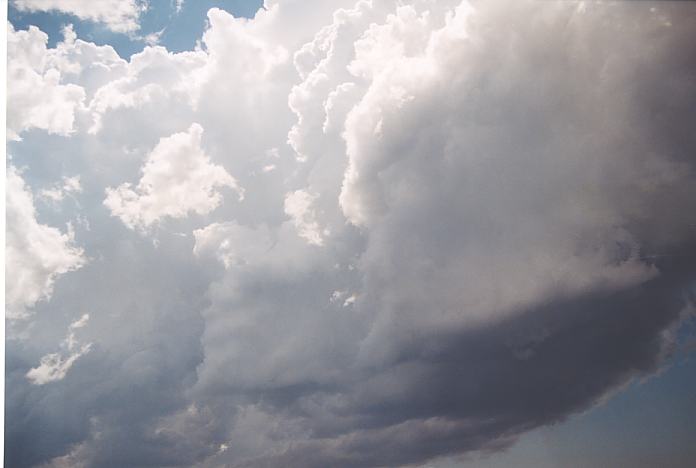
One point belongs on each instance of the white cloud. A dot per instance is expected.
(55, 366)
(299, 205)
(69, 186)
(153, 38)
(178, 178)
(117, 15)
(36, 254)
(233, 245)
(154, 78)
(35, 97)
(337, 295)
(70, 341)
(49, 88)
(85, 63)
(350, 300)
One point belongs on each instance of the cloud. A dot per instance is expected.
(50, 86)
(69, 185)
(55, 366)
(35, 254)
(70, 341)
(154, 78)
(298, 205)
(508, 192)
(489, 235)
(232, 244)
(177, 179)
(153, 38)
(37, 99)
(117, 15)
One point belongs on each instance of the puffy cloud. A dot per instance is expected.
(151, 77)
(504, 205)
(117, 15)
(48, 87)
(36, 98)
(35, 254)
(508, 191)
(298, 205)
(177, 179)
(447, 166)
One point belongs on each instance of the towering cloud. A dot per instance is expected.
(461, 221)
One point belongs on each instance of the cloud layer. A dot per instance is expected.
(347, 234)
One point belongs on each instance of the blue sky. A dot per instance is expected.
(391, 233)
(180, 30)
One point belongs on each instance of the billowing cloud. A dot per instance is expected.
(35, 254)
(461, 221)
(37, 98)
(51, 85)
(298, 205)
(117, 15)
(177, 179)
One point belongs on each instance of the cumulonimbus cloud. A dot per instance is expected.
(493, 231)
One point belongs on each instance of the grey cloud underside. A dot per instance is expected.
(495, 229)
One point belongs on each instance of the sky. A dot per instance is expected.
(350, 233)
